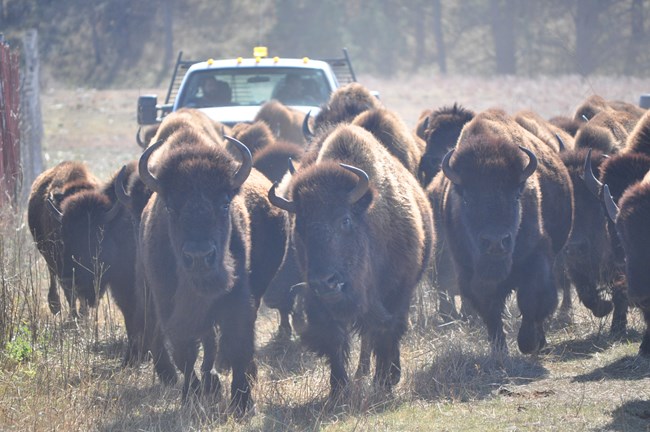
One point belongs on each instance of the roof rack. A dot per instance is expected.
(179, 72)
(342, 68)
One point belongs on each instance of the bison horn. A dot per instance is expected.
(560, 142)
(247, 162)
(280, 202)
(532, 164)
(362, 185)
(292, 169)
(306, 131)
(143, 168)
(55, 212)
(610, 205)
(448, 170)
(111, 213)
(592, 183)
(138, 139)
(585, 118)
(119, 189)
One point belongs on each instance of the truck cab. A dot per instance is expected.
(233, 90)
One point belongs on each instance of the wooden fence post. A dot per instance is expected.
(9, 126)
(31, 118)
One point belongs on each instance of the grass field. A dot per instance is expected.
(59, 375)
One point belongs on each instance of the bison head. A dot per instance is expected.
(87, 246)
(488, 177)
(331, 233)
(196, 186)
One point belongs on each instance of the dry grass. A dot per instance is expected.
(59, 375)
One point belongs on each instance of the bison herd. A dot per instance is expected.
(335, 219)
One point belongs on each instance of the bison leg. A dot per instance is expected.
(236, 320)
(537, 300)
(210, 380)
(589, 296)
(53, 299)
(161, 360)
(644, 348)
(619, 317)
(185, 352)
(364, 357)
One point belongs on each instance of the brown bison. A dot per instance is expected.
(362, 232)
(554, 137)
(345, 104)
(496, 225)
(567, 124)
(391, 131)
(596, 104)
(631, 221)
(195, 250)
(441, 131)
(51, 188)
(272, 160)
(608, 132)
(284, 122)
(587, 256)
(98, 251)
(257, 135)
(639, 139)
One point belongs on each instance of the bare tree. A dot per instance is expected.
(503, 32)
(438, 34)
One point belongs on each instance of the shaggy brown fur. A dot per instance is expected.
(391, 131)
(345, 104)
(544, 130)
(442, 132)
(639, 139)
(55, 184)
(272, 161)
(256, 135)
(285, 123)
(633, 231)
(567, 124)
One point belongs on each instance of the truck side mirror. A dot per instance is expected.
(644, 101)
(147, 111)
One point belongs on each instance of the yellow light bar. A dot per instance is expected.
(305, 60)
(276, 59)
(258, 59)
(239, 60)
(210, 62)
(260, 51)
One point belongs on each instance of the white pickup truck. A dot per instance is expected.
(233, 90)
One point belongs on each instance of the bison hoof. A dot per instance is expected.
(55, 305)
(530, 340)
(602, 308)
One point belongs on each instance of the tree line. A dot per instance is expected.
(122, 42)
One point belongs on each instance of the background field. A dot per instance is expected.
(57, 375)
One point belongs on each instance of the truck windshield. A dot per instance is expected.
(254, 86)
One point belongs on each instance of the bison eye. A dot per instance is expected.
(225, 207)
(346, 223)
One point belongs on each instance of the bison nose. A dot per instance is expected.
(199, 255)
(495, 244)
(329, 286)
